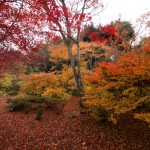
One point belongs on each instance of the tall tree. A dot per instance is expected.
(63, 18)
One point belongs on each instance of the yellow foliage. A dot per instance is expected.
(58, 51)
(90, 47)
(43, 84)
(9, 84)
(67, 80)
(113, 119)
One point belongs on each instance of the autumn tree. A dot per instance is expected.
(121, 86)
(16, 35)
(126, 34)
(124, 28)
(85, 33)
(102, 34)
(61, 17)
(58, 56)
(118, 34)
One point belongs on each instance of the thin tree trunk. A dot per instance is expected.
(75, 73)
(79, 68)
(79, 76)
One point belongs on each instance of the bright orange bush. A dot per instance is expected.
(146, 48)
(120, 86)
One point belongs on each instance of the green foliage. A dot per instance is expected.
(30, 70)
(52, 102)
(100, 114)
(9, 84)
(27, 103)
(39, 112)
(15, 104)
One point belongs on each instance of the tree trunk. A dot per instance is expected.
(79, 76)
(76, 72)
(79, 68)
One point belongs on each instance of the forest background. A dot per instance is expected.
(100, 64)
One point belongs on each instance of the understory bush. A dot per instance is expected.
(39, 112)
(43, 85)
(19, 103)
(28, 103)
(15, 104)
(39, 91)
(100, 114)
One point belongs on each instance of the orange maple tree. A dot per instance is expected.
(120, 86)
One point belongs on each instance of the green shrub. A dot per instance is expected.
(15, 104)
(27, 103)
(35, 99)
(55, 104)
(100, 114)
(51, 102)
(39, 112)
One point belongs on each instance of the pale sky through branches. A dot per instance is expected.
(129, 10)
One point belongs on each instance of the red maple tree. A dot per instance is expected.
(63, 18)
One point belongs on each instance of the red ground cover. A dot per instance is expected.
(20, 131)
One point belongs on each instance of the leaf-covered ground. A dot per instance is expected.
(64, 131)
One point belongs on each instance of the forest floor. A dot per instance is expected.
(69, 130)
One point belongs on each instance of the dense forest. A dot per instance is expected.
(67, 83)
